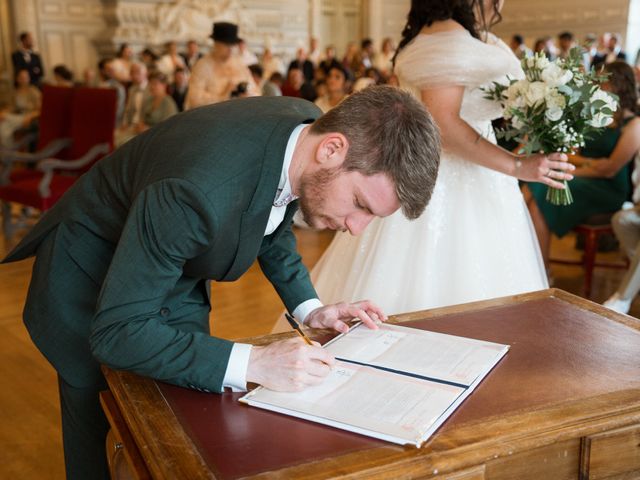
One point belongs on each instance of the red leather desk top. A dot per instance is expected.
(559, 352)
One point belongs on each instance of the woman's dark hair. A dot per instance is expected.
(623, 83)
(150, 53)
(159, 77)
(121, 50)
(63, 72)
(426, 12)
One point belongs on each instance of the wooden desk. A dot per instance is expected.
(563, 404)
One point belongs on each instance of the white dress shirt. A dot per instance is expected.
(236, 375)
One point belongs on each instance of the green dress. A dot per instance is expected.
(590, 195)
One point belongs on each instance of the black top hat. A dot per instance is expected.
(225, 32)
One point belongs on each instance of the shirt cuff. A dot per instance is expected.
(306, 307)
(236, 375)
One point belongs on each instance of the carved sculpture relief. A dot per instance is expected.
(185, 19)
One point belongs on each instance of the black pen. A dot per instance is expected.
(296, 327)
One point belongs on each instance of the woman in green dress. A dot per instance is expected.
(601, 183)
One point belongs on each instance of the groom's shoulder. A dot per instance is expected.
(260, 106)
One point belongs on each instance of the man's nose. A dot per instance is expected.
(357, 222)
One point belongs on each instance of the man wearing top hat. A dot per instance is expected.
(217, 75)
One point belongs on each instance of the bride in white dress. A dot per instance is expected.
(475, 240)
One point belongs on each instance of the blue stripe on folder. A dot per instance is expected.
(408, 374)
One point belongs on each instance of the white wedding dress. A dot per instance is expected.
(475, 240)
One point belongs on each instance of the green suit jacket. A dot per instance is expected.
(123, 259)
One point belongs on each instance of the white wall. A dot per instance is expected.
(633, 33)
(537, 18)
(64, 30)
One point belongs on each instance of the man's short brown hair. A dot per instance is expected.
(390, 132)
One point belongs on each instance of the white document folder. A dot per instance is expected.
(396, 383)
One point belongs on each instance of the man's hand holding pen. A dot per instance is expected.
(289, 366)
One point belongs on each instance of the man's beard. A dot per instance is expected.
(312, 194)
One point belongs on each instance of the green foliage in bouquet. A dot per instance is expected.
(554, 108)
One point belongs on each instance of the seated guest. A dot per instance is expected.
(350, 61)
(192, 55)
(149, 58)
(384, 60)
(297, 86)
(566, 42)
(371, 77)
(136, 94)
(626, 225)
(122, 64)
(303, 63)
(89, 78)
(107, 80)
(314, 51)
(179, 88)
(336, 90)
(170, 60)
(62, 76)
(295, 79)
(601, 183)
(21, 115)
(157, 106)
(519, 48)
(271, 63)
(273, 86)
(611, 52)
(27, 98)
(257, 74)
(329, 60)
(366, 55)
(545, 45)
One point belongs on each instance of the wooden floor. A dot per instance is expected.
(30, 443)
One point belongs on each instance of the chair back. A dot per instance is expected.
(55, 116)
(93, 119)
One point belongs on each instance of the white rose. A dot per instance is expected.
(555, 103)
(535, 93)
(541, 62)
(553, 113)
(516, 123)
(554, 76)
(514, 94)
(605, 97)
(600, 120)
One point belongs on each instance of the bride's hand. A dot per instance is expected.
(548, 169)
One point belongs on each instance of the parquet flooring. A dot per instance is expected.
(30, 443)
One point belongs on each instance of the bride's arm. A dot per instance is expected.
(459, 139)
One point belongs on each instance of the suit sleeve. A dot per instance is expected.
(282, 265)
(168, 223)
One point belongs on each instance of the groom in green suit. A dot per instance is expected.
(123, 260)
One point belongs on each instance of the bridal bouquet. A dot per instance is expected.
(554, 108)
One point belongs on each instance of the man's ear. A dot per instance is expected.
(332, 150)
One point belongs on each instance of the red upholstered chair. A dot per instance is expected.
(53, 136)
(93, 113)
(593, 229)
